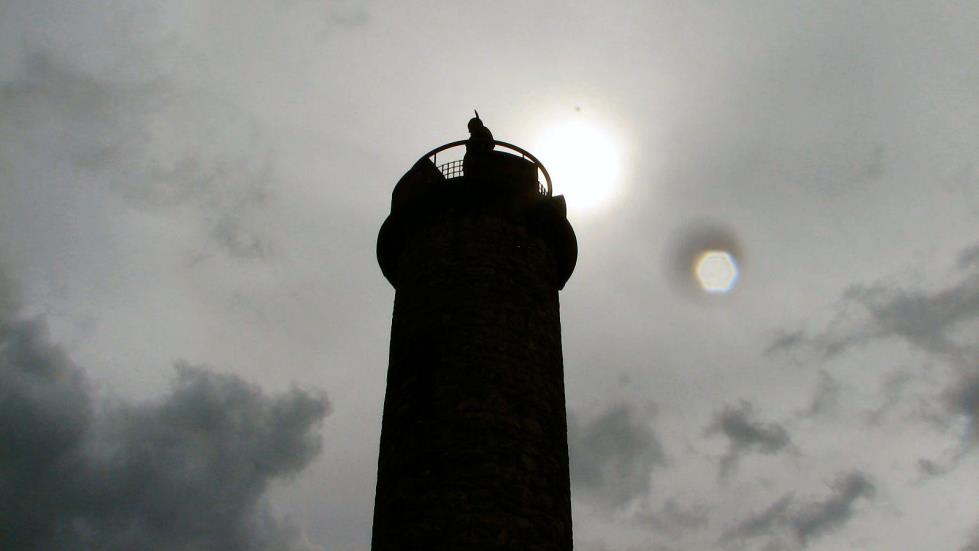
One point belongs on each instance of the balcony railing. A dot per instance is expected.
(454, 169)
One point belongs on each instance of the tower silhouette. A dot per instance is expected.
(474, 451)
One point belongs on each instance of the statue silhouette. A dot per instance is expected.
(480, 137)
(478, 146)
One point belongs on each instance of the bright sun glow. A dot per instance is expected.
(716, 271)
(583, 162)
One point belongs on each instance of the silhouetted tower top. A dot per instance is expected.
(486, 180)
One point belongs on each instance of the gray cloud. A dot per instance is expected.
(973, 544)
(927, 320)
(673, 519)
(746, 434)
(185, 472)
(349, 14)
(818, 518)
(968, 257)
(786, 340)
(613, 455)
(893, 389)
(602, 545)
(928, 467)
(163, 148)
(924, 319)
(825, 400)
(963, 399)
(766, 521)
(805, 521)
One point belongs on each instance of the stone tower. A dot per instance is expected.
(474, 451)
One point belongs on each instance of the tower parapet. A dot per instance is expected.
(493, 183)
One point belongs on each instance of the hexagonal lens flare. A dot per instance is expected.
(716, 271)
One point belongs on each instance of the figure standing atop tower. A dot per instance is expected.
(480, 137)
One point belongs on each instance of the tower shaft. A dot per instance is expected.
(474, 450)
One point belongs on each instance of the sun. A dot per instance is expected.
(583, 161)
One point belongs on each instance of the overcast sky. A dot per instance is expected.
(195, 330)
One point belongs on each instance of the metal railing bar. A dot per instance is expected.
(433, 154)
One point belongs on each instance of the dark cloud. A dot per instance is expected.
(929, 320)
(818, 518)
(922, 318)
(162, 148)
(785, 341)
(963, 400)
(746, 434)
(825, 400)
(765, 522)
(927, 467)
(46, 89)
(894, 390)
(673, 519)
(805, 521)
(613, 455)
(973, 544)
(185, 472)
(969, 257)
(348, 15)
